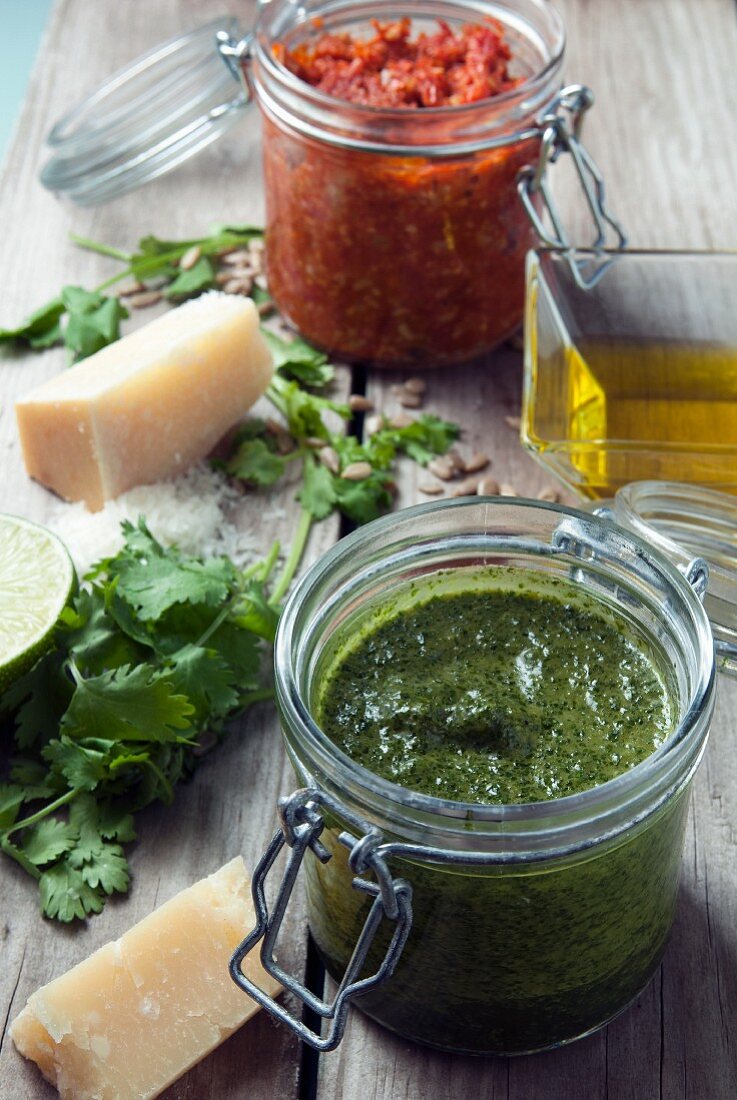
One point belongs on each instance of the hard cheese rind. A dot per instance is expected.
(147, 407)
(135, 1015)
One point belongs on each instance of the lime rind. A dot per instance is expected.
(36, 580)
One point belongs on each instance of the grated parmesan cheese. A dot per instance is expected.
(196, 512)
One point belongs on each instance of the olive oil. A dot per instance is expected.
(608, 412)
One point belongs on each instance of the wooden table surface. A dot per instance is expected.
(663, 133)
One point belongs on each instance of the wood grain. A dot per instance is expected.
(230, 805)
(666, 87)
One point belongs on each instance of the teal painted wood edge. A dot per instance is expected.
(22, 24)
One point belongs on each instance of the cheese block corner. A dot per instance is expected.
(148, 406)
(139, 1012)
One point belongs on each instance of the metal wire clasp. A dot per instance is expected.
(235, 54)
(301, 825)
(560, 131)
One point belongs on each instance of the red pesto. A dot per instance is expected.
(391, 70)
(398, 259)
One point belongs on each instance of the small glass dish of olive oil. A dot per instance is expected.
(633, 376)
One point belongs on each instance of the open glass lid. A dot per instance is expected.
(149, 117)
(696, 528)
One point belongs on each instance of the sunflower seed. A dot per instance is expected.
(488, 487)
(357, 471)
(401, 420)
(236, 286)
(430, 488)
(441, 468)
(507, 490)
(455, 461)
(243, 271)
(549, 494)
(358, 403)
(129, 288)
(329, 458)
(237, 258)
(477, 461)
(145, 299)
(410, 400)
(284, 441)
(513, 421)
(373, 424)
(415, 385)
(190, 257)
(465, 488)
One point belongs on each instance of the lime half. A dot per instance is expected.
(36, 581)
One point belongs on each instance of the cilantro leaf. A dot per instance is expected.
(12, 798)
(82, 767)
(206, 679)
(242, 651)
(93, 321)
(152, 579)
(93, 637)
(65, 894)
(40, 329)
(426, 437)
(298, 360)
(364, 500)
(115, 823)
(254, 461)
(304, 411)
(199, 277)
(106, 868)
(317, 494)
(38, 699)
(255, 614)
(34, 778)
(131, 704)
(46, 841)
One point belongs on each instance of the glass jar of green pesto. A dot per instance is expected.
(485, 926)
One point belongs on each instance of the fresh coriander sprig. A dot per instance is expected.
(154, 651)
(86, 321)
(256, 458)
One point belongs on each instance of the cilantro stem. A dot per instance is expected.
(218, 620)
(257, 697)
(41, 814)
(168, 797)
(101, 249)
(291, 565)
(19, 857)
(269, 562)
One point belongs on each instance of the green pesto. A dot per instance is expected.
(502, 690)
(513, 959)
(496, 696)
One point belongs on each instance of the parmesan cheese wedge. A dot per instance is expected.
(149, 406)
(138, 1013)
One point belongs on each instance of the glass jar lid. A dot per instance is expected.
(692, 526)
(148, 117)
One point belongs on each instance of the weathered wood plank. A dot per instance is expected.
(664, 80)
(229, 807)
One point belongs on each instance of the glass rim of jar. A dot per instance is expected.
(513, 832)
(318, 114)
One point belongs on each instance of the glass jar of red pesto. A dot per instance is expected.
(397, 236)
